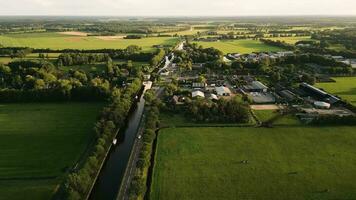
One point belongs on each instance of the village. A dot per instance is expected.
(307, 101)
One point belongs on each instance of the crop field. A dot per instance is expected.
(344, 87)
(239, 46)
(61, 41)
(291, 40)
(39, 143)
(255, 163)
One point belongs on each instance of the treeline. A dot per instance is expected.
(82, 94)
(334, 120)
(15, 52)
(318, 50)
(79, 183)
(222, 111)
(278, 43)
(193, 53)
(69, 59)
(158, 57)
(31, 80)
(138, 187)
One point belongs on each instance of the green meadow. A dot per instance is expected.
(60, 41)
(291, 40)
(240, 46)
(39, 143)
(255, 163)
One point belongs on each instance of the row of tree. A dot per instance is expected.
(78, 184)
(138, 187)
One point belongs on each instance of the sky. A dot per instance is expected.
(178, 7)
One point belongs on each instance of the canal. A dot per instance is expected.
(110, 177)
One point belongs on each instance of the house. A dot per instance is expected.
(177, 100)
(198, 93)
(222, 91)
(213, 97)
(198, 85)
(146, 77)
(285, 53)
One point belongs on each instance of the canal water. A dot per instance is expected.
(110, 177)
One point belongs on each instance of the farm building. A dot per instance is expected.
(288, 95)
(198, 94)
(319, 94)
(255, 86)
(262, 98)
(322, 105)
(222, 91)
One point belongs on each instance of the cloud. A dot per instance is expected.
(178, 7)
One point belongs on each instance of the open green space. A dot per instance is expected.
(291, 40)
(255, 163)
(40, 143)
(265, 115)
(60, 41)
(344, 87)
(239, 46)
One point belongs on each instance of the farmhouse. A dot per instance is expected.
(222, 91)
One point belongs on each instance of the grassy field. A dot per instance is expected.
(239, 46)
(291, 40)
(265, 115)
(32, 56)
(60, 41)
(38, 143)
(345, 87)
(282, 163)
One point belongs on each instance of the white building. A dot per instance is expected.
(198, 94)
(322, 105)
(222, 91)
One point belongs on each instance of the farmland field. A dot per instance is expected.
(345, 87)
(291, 40)
(39, 142)
(279, 163)
(61, 41)
(239, 46)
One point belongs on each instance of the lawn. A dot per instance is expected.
(345, 87)
(60, 41)
(280, 163)
(39, 142)
(240, 46)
